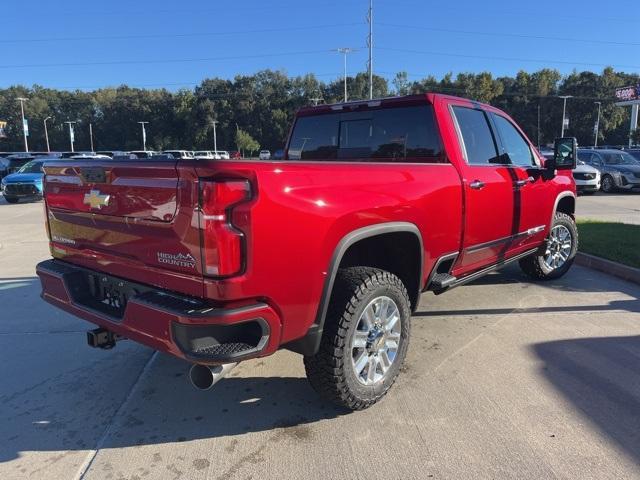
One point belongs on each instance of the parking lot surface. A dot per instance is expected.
(614, 207)
(504, 379)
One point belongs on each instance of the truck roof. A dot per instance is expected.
(377, 102)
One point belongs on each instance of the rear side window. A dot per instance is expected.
(513, 142)
(479, 144)
(402, 134)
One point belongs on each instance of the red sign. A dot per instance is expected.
(626, 94)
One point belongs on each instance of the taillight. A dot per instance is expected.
(222, 243)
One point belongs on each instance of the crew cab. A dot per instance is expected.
(325, 252)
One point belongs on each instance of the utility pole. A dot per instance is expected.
(597, 126)
(215, 140)
(345, 51)
(538, 125)
(25, 130)
(370, 45)
(564, 110)
(91, 136)
(71, 134)
(46, 133)
(144, 136)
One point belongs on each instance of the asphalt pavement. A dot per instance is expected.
(610, 207)
(504, 379)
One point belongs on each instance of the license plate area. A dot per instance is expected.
(103, 293)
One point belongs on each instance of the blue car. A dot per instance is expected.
(26, 183)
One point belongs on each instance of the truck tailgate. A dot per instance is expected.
(135, 219)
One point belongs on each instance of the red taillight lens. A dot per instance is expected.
(222, 243)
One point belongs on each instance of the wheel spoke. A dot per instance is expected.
(385, 362)
(360, 339)
(361, 362)
(371, 373)
(393, 340)
(368, 317)
(391, 323)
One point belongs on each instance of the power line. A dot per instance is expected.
(175, 60)
(177, 35)
(507, 59)
(511, 35)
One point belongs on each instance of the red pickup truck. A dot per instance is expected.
(325, 252)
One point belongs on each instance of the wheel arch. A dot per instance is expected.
(565, 203)
(344, 251)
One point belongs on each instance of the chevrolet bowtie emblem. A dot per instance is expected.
(95, 199)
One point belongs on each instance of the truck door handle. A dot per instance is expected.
(522, 183)
(477, 185)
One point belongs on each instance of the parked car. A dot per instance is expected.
(16, 161)
(222, 155)
(635, 153)
(143, 153)
(587, 178)
(278, 154)
(179, 153)
(75, 154)
(112, 153)
(26, 183)
(326, 255)
(618, 169)
(235, 154)
(204, 155)
(264, 155)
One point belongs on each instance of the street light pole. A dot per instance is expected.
(215, 140)
(24, 129)
(564, 110)
(46, 133)
(370, 45)
(595, 141)
(91, 136)
(71, 134)
(144, 136)
(345, 51)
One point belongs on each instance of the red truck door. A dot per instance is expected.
(532, 193)
(491, 212)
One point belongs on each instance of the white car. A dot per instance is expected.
(222, 154)
(586, 177)
(179, 153)
(204, 155)
(264, 155)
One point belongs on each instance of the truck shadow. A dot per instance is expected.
(600, 378)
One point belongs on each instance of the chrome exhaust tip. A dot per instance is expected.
(203, 377)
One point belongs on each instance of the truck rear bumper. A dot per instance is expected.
(183, 326)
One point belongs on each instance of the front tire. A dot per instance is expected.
(12, 199)
(608, 184)
(365, 338)
(556, 258)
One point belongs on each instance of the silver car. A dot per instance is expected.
(619, 170)
(586, 177)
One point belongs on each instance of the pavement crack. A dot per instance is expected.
(84, 468)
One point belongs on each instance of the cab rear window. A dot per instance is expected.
(401, 134)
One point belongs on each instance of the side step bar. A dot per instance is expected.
(442, 282)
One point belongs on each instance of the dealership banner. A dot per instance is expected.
(3, 129)
(627, 94)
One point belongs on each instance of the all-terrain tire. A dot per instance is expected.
(535, 266)
(331, 370)
(12, 199)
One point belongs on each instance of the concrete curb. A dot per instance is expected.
(624, 272)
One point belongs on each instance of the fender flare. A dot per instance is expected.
(560, 196)
(310, 343)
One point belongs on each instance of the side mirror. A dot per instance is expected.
(565, 154)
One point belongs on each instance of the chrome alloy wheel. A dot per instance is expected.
(558, 247)
(376, 340)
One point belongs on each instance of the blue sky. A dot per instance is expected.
(79, 44)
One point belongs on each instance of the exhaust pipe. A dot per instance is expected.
(203, 377)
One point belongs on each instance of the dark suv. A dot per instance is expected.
(619, 169)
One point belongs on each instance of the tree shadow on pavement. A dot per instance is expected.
(600, 376)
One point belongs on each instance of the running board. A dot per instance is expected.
(456, 282)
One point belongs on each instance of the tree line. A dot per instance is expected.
(261, 106)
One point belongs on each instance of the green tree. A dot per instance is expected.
(246, 142)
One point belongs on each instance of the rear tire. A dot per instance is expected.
(365, 338)
(557, 257)
(12, 199)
